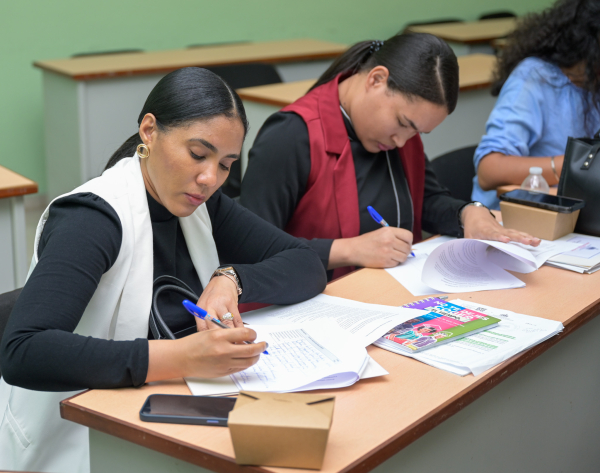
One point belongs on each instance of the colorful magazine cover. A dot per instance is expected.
(444, 322)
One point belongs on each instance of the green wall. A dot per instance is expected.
(39, 29)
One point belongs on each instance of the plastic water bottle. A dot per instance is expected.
(535, 181)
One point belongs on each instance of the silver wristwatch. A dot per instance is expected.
(474, 204)
(229, 273)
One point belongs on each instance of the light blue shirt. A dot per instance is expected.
(537, 110)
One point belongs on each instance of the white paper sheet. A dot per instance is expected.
(367, 322)
(480, 352)
(301, 356)
(225, 386)
(583, 259)
(462, 266)
(409, 273)
(479, 265)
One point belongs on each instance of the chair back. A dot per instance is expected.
(7, 302)
(239, 76)
(455, 171)
(497, 14)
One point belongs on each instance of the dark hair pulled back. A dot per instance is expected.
(182, 96)
(419, 65)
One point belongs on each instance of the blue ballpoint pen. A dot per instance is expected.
(379, 219)
(202, 314)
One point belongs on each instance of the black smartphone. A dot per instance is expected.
(180, 409)
(556, 203)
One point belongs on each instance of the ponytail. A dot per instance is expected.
(419, 65)
(348, 63)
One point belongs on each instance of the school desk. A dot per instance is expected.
(463, 127)
(91, 104)
(536, 412)
(470, 37)
(13, 242)
(511, 187)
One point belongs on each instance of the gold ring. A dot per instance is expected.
(227, 316)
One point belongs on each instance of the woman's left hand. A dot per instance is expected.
(480, 225)
(219, 298)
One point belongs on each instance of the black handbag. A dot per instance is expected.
(580, 179)
(160, 330)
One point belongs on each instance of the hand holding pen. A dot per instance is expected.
(202, 314)
(379, 219)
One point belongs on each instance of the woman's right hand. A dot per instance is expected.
(208, 354)
(385, 247)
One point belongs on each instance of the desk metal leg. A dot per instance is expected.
(544, 418)
(13, 244)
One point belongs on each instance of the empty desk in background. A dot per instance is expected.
(470, 37)
(91, 104)
(533, 413)
(465, 126)
(13, 241)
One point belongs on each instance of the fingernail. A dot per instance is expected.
(267, 345)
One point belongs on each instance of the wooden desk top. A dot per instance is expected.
(128, 64)
(475, 73)
(13, 184)
(504, 189)
(364, 434)
(482, 31)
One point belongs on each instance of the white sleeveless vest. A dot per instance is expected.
(33, 436)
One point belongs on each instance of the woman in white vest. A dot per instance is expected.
(82, 319)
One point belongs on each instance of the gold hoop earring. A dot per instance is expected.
(143, 151)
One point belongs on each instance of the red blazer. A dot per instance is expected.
(329, 207)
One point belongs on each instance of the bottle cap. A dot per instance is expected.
(535, 170)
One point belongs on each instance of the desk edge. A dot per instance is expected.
(19, 190)
(166, 70)
(151, 439)
(498, 374)
(367, 462)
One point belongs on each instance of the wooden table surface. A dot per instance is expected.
(511, 187)
(375, 418)
(128, 64)
(13, 184)
(475, 73)
(481, 31)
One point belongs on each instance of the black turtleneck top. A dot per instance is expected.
(279, 166)
(81, 241)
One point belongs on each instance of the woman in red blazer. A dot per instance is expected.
(353, 141)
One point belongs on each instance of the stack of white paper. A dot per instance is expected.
(336, 323)
(465, 265)
(225, 386)
(366, 322)
(583, 259)
(480, 352)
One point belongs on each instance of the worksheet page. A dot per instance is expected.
(409, 273)
(300, 355)
(462, 266)
(367, 322)
(480, 352)
(225, 386)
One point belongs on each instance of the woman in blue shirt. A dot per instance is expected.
(547, 82)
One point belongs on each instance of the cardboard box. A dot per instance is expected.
(289, 430)
(540, 223)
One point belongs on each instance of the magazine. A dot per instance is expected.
(445, 322)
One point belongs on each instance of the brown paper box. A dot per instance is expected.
(287, 430)
(540, 223)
